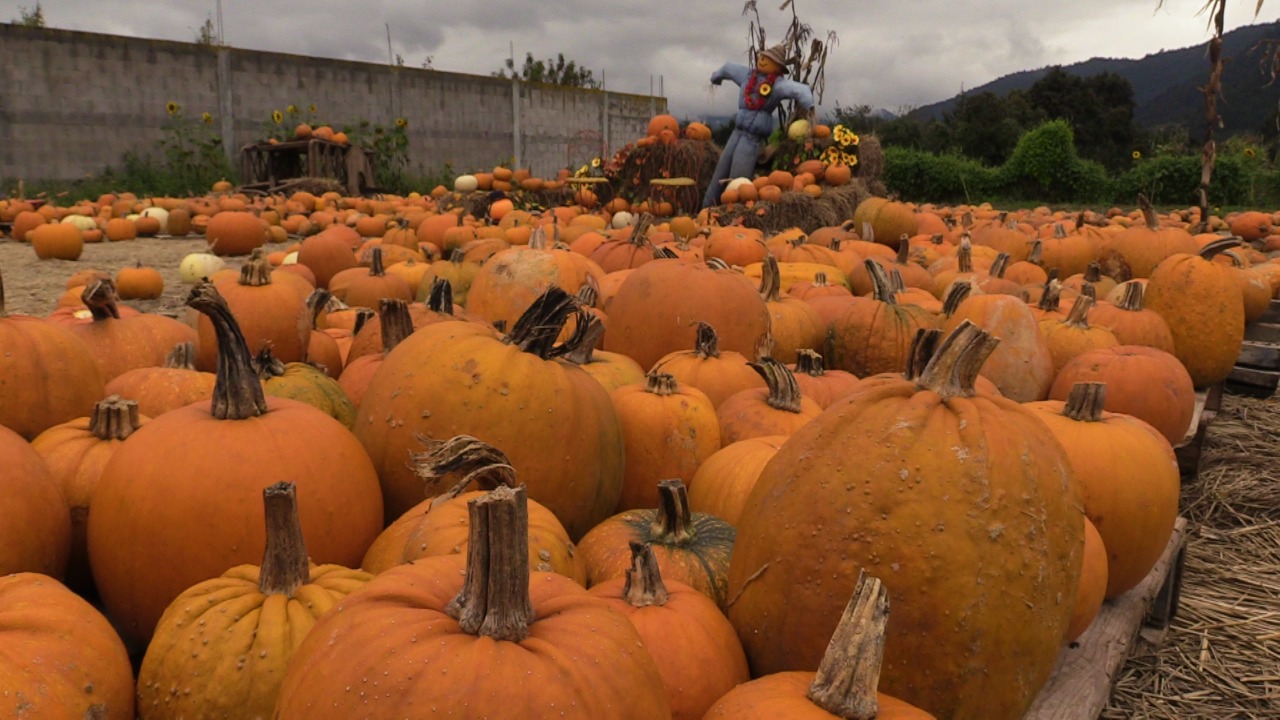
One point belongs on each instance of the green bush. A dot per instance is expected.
(1045, 166)
(920, 175)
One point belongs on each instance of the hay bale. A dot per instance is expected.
(634, 166)
(796, 209)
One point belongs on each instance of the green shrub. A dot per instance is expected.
(923, 176)
(1045, 166)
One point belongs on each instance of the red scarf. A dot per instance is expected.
(750, 98)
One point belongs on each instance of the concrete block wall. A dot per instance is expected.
(73, 103)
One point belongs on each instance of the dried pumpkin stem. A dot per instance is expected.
(1149, 215)
(673, 522)
(770, 279)
(1217, 246)
(1132, 297)
(587, 333)
(237, 392)
(923, 347)
(100, 297)
(955, 366)
(394, 322)
(1079, 315)
(820, 279)
(643, 585)
(956, 294)
(784, 392)
(284, 563)
(363, 315)
(1085, 401)
(478, 461)
(707, 343)
(1036, 256)
(494, 601)
(114, 418)
(809, 362)
(376, 268)
(317, 301)
(256, 272)
(881, 287)
(999, 265)
(269, 366)
(588, 295)
(660, 383)
(456, 256)
(182, 356)
(964, 256)
(904, 250)
(537, 329)
(1093, 273)
(849, 674)
(1051, 296)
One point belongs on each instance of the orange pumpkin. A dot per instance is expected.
(62, 241)
(777, 409)
(235, 233)
(1204, 307)
(158, 390)
(724, 481)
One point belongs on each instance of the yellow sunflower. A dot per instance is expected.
(1249, 152)
(402, 123)
(172, 108)
(853, 139)
(292, 110)
(311, 108)
(848, 159)
(1137, 155)
(765, 89)
(207, 119)
(841, 134)
(595, 162)
(277, 117)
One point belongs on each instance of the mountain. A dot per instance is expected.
(1165, 84)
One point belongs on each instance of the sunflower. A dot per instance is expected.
(848, 159)
(581, 171)
(277, 117)
(831, 155)
(172, 108)
(402, 123)
(765, 89)
(292, 110)
(1137, 155)
(207, 119)
(1249, 152)
(595, 162)
(311, 108)
(853, 139)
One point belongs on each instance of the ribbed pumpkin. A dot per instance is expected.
(61, 241)
(873, 335)
(1130, 322)
(329, 252)
(76, 452)
(394, 326)
(1144, 382)
(888, 220)
(455, 268)
(845, 685)
(178, 473)
(305, 383)
(361, 287)
(984, 479)
(440, 525)
(816, 382)
(554, 421)
(120, 344)
(793, 323)
(235, 233)
(35, 524)
(611, 370)
(693, 548)
(779, 408)
(62, 658)
(268, 307)
(724, 481)
(500, 636)
(1204, 307)
(660, 305)
(227, 641)
(1073, 335)
(1093, 583)
(1137, 250)
(157, 390)
(139, 282)
(693, 644)
(668, 430)
(47, 374)
(512, 279)
(716, 373)
(1128, 479)
(1021, 365)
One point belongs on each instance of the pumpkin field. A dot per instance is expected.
(551, 447)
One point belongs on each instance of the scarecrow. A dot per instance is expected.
(763, 90)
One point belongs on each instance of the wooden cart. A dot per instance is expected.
(276, 167)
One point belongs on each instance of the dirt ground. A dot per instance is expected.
(32, 286)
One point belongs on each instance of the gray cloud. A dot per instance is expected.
(890, 54)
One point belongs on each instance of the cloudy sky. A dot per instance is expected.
(891, 54)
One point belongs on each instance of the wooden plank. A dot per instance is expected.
(1264, 356)
(1262, 332)
(1272, 315)
(1086, 671)
(1252, 382)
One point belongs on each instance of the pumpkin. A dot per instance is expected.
(1204, 307)
(456, 378)
(1072, 335)
(1130, 322)
(693, 548)
(884, 221)
(793, 323)
(62, 241)
(820, 286)
(196, 266)
(661, 304)
(144, 510)
(724, 480)
(512, 279)
(139, 283)
(35, 524)
(667, 431)
(63, 659)
(779, 408)
(120, 344)
(455, 268)
(358, 287)
(47, 374)
(1093, 583)
(269, 308)
(395, 325)
(235, 233)
(693, 644)
(612, 370)
(1005, 238)
(900, 453)
(158, 390)
(119, 229)
(305, 383)
(1136, 251)
(500, 635)
(227, 641)
(1128, 479)
(824, 386)
(439, 525)
(873, 335)
(329, 252)
(1021, 365)
(75, 452)
(736, 245)
(844, 687)
(1143, 382)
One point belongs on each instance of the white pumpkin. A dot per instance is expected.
(798, 130)
(290, 259)
(736, 183)
(465, 183)
(161, 215)
(621, 219)
(83, 222)
(199, 265)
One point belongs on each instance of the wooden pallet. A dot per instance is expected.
(1257, 370)
(1208, 402)
(1087, 669)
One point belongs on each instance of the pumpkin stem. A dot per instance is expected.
(956, 294)
(955, 366)
(440, 299)
(661, 384)
(537, 329)
(643, 585)
(376, 268)
(100, 297)
(494, 601)
(182, 356)
(284, 563)
(588, 295)
(1051, 296)
(809, 362)
(904, 250)
(673, 522)
(664, 253)
(923, 347)
(237, 392)
(964, 256)
(1217, 246)
(820, 279)
(849, 674)
(580, 347)
(480, 462)
(114, 418)
(256, 272)
(999, 265)
(784, 392)
(640, 231)
(1036, 256)
(1149, 215)
(268, 365)
(764, 345)
(1079, 315)
(317, 302)
(1093, 273)
(363, 315)
(1085, 401)
(881, 287)
(1089, 290)
(707, 344)
(896, 283)
(1132, 298)
(394, 322)
(770, 279)
(717, 264)
(456, 256)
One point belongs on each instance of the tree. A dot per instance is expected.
(556, 71)
(207, 34)
(1099, 109)
(984, 127)
(31, 17)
